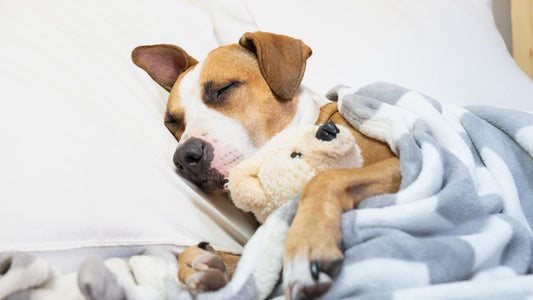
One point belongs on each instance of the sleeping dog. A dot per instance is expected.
(224, 109)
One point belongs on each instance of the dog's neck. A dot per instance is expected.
(309, 104)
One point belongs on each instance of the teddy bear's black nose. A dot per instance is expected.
(327, 131)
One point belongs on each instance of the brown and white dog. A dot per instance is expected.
(229, 105)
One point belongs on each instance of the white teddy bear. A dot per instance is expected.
(280, 170)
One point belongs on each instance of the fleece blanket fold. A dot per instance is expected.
(459, 228)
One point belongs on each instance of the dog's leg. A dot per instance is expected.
(312, 254)
(201, 268)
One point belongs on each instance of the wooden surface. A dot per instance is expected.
(522, 27)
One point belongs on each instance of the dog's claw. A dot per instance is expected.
(314, 269)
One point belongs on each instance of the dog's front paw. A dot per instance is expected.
(205, 281)
(200, 269)
(312, 260)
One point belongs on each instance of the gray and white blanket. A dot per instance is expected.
(459, 228)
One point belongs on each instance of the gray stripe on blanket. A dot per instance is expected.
(391, 93)
(430, 260)
(458, 189)
(382, 91)
(333, 94)
(507, 120)
(486, 136)
(412, 164)
(458, 200)
(438, 253)
(516, 254)
(367, 107)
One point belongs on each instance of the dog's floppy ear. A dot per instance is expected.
(164, 63)
(281, 60)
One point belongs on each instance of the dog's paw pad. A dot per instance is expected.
(209, 261)
(208, 280)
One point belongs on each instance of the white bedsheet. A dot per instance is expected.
(85, 160)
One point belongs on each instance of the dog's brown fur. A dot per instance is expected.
(264, 102)
(315, 231)
(235, 63)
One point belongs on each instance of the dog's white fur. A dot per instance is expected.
(228, 137)
(230, 141)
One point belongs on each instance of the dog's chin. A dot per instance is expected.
(214, 187)
(210, 181)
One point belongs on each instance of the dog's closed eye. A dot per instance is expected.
(213, 94)
(169, 119)
(226, 88)
(174, 124)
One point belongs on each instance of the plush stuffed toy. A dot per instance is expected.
(280, 169)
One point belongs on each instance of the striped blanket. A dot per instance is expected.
(459, 227)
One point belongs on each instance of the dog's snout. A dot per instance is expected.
(193, 160)
(189, 155)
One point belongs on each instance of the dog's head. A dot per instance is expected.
(224, 108)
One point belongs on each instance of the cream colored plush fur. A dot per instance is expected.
(279, 170)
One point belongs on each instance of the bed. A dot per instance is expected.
(85, 165)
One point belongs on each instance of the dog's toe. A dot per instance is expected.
(208, 280)
(304, 279)
(209, 261)
(330, 268)
(211, 274)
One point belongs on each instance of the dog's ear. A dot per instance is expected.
(281, 59)
(164, 63)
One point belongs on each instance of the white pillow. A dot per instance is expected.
(85, 161)
(450, 50)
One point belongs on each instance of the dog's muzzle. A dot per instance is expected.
(193, 161)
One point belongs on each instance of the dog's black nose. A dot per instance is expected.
(191, 158)
(189, 154)
(327, 131)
